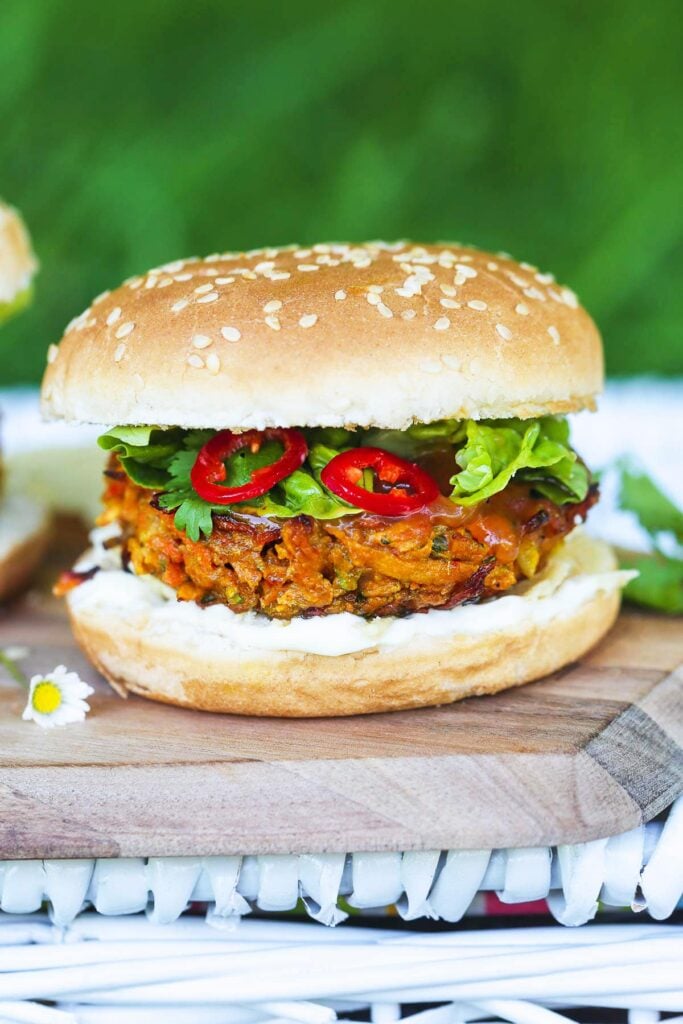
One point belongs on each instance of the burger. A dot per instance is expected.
(23, 522)
(339, 479)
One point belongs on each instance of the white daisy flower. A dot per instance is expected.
(57, 698)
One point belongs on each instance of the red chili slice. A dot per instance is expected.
(209, 468)
(403, 486)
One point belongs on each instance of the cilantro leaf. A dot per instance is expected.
(654, 509)
(659, 584)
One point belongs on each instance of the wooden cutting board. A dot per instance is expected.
(591, 751)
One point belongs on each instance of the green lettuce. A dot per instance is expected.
(489, 454)
(536, 451)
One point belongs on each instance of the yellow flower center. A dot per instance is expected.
(46, 697)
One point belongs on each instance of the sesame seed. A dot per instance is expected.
(384, 310)
(528, 266)
(134, 282)
(460, 279)
(477, 304)
(570, 298)
(534, 293)
(340, 295)
(450, 303)
(360, 264)
(554, 334)
(522, 309)
(301, 254)
(423, 274)
(182, 277)
(412, 286)
(114, 316)
(224, 280)
(377, 288)
(213, 363)
(201, 341)
(492, 265)
(272, 306)
(164, 282)
(101, 296)
(307, 266)
(211, 297)
(180, 304)
(442, 324)
(449, 290)
(504, 331)
(279, 275)
(545, 278)
(203, 289)
(408, 314)
(124, 330)
(308, 320)
(151, 281)
(264, 267)
(521, 282)
(273, 322)
(52, 353)
(373, 298)
(196, 361)
(466, 271)
(120, 353)
(231, 333)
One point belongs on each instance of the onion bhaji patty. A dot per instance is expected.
(361, 564)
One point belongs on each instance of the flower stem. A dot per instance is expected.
(13, 669)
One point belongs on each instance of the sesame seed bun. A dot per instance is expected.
(177, 653)
(372, 335)
(17, 262)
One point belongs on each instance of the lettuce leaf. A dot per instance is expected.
(144, 452)
(417, 439)
(534, 450)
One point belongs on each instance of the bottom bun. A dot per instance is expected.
(24, 536)
(143, 640)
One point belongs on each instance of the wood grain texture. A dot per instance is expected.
(591, 751)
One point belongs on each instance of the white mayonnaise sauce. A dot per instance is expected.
(578, 570)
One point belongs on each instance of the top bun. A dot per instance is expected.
(17, 262)
(357, 335)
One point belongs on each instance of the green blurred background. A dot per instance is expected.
(136, 132)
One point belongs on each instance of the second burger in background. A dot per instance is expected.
(24, 523)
